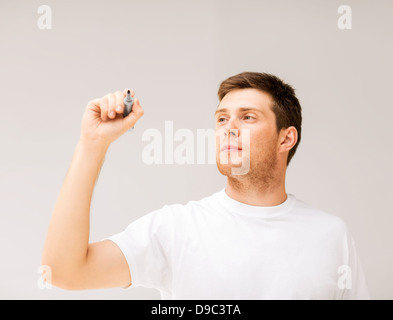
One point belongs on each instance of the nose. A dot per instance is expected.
(231, 128)
(230, 132)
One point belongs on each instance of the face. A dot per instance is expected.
(247, 114)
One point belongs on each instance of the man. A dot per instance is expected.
(250, 240)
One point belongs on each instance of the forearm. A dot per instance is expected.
(67, 241)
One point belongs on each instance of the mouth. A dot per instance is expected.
(230, 148)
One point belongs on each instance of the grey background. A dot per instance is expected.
(174, 54)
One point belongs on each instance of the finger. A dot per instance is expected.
(94, 105)
(111, 105)
(119, 101)
(104, 108)
(137, 110)
(136, 113)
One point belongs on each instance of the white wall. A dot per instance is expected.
(174, 55)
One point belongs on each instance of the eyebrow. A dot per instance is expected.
(223, 110)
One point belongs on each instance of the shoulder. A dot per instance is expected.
(191, 208)
(324, 221)
(206, 202)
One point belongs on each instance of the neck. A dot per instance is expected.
(270, 192)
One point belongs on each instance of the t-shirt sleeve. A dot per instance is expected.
(354, 287)
(146, 244)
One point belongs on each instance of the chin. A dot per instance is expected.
(232, 169)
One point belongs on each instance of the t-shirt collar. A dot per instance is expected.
(241, 208)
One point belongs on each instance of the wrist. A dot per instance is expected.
(95, 146)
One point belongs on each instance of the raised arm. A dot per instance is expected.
(73, 262)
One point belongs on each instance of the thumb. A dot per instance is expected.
(133, 117)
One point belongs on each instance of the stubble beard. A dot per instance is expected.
(262, 174)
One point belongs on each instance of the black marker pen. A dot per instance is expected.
(128, 102)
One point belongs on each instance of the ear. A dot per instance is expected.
(287, 138)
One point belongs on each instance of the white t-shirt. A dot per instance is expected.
(220, 248)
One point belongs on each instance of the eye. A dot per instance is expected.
(219, 119)
(251, 117)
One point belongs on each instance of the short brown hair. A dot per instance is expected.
(286, 106)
